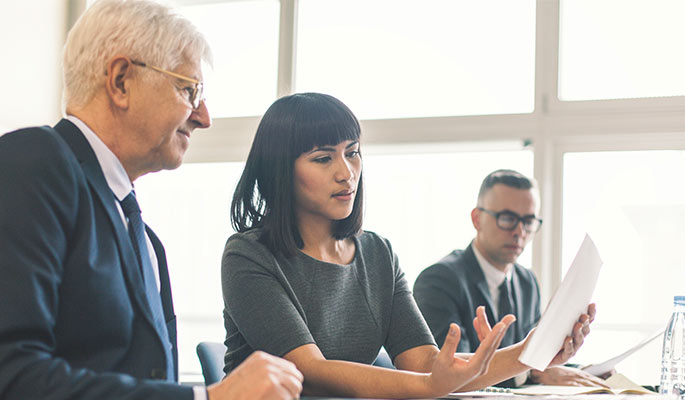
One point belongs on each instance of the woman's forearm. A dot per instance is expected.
(447, 373)
(504, 365)
(349, 379)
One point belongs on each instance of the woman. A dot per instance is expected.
(301, 279)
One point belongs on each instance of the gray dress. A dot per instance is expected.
(277, 304)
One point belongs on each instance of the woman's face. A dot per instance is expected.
(325, 180)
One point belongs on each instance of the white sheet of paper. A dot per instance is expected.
(567, 304)
(608, 365)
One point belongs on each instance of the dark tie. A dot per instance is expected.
(136, 230)
(506, 306)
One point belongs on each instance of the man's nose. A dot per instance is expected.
(201, 117)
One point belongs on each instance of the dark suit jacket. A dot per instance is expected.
(74, 319)
(451, 290)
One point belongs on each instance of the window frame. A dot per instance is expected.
(554, 127)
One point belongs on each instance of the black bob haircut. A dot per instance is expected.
(264, 196)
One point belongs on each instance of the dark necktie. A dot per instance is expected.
(506, 306)
(136, 230)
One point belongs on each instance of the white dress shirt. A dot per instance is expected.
(494, 277)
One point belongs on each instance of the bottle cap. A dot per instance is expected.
(679, 299)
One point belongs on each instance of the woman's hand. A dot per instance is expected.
(573, 342)
(481, 324)
(451, 372)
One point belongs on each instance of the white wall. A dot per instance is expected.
(31, 39)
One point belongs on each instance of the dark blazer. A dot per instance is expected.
(451, 290)
(74, 319)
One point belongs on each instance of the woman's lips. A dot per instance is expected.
(344, 195)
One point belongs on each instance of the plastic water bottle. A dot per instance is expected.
(673, 354)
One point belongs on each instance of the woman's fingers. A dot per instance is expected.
(483, 355)
(591, 311)
(481, 324)
(449, 347)
(580, 330)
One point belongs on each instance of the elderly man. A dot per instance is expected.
(486, 274)
(85, 302)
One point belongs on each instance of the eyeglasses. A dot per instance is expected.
(509, 220)
(194, 92)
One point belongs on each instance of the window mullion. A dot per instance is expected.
(547, 248)
(287, 47)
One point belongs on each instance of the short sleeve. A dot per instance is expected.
(407, 328)
(260, 310)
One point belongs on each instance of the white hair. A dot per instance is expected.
(143, 30)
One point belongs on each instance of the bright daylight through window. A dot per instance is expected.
(634, 210)
(399, 59)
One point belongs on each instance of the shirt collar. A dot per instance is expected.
(493, 276)
(114, 172)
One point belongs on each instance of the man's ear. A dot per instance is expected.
(117, 82)
(475, 218)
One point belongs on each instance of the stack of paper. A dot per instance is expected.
(569, 302)
(608, 365)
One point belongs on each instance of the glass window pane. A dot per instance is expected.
(188, 208)
(612, 49)
(397, 59)
(635, 213)
(422, 202)
(244, 38)
(33, 62)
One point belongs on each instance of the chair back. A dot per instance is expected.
(211, 355)
(383, 359)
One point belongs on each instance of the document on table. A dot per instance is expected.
(608, 365)
(618, 384)
(567, 304)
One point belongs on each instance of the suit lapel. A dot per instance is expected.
(165, 293)
(165, 284)
(476, 276)
(96, 179)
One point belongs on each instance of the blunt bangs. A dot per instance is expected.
(264, 195)
(320, 120)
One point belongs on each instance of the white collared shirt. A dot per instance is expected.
(493, 276)
(117, 180)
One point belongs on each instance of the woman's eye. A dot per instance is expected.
(322, 160)
(353, 154)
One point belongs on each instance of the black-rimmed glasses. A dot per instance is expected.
(194, 92)
(509, 220)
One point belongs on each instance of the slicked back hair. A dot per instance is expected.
(507, 177)
(264, 197)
